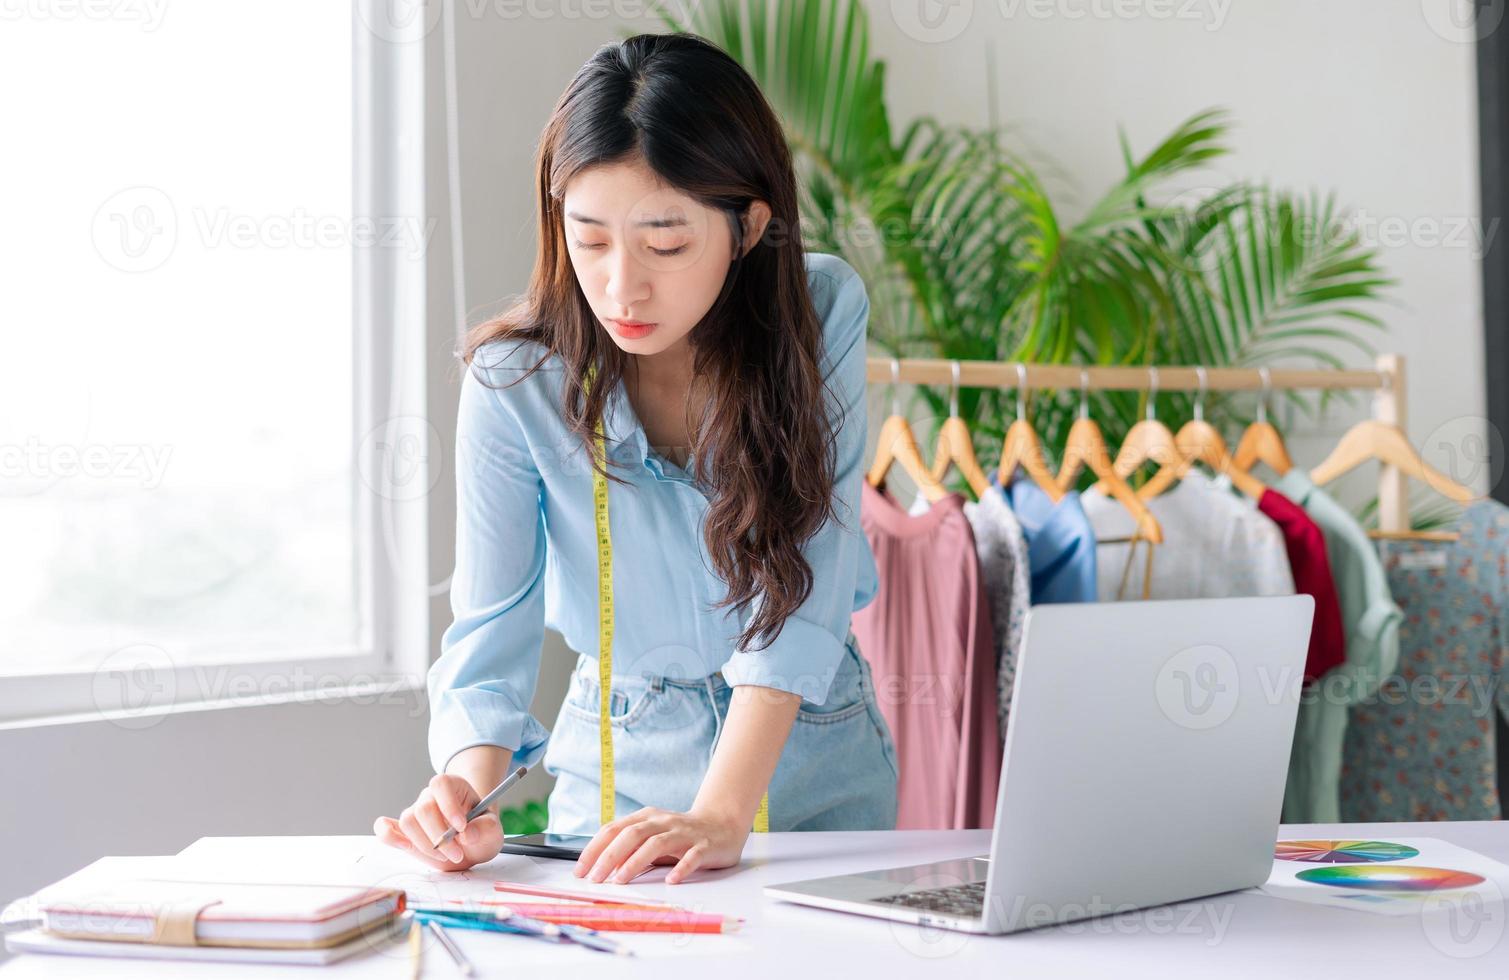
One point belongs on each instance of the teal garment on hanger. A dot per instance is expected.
(1060, 541)
(1371, 619)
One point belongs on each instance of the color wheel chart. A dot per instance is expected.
(1342, 851)
(1399, 878)
(1404, 876)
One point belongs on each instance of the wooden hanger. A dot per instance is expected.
(1086, 446)
(1382, 438)
(1147, 440)
(1261, 443)
(1023, 448)
(896, 444)
(1384, 442)
(956, 446)
(1200, 442)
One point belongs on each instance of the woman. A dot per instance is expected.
(672, 302)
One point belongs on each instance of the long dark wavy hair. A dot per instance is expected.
(764, 444)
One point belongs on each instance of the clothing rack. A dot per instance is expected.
(1386, 380)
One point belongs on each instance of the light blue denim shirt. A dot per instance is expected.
(526, 552)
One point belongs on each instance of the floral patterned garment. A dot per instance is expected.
(1423, 747)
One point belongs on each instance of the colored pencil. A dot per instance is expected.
(628, 919)
(493, 903)
(519, 888)
(590, 939)
(487, 924)
(485, 916)
(551, 930)
(459, 958)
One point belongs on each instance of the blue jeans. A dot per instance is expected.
(836, 772)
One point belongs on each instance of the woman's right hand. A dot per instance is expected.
(443, 804)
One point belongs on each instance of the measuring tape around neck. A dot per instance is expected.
(605, 639)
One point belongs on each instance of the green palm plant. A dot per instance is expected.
(965, 254)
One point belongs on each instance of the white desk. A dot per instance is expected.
(1240, 934)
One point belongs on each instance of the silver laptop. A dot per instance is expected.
(1144, 763)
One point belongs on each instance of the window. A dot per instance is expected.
(212, 451)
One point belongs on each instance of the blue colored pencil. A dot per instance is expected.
(486, 924)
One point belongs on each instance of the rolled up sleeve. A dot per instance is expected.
(804, 657)
(481, 685)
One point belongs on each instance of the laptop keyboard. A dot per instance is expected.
(962, 900)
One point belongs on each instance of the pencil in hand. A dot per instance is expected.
(483, 804)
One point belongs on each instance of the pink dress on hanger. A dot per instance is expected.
(930, 644)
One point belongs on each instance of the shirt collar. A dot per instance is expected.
(627, 442)
(621, 427)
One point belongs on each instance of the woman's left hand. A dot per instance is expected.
(629, 846)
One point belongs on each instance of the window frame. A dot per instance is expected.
(389, 387)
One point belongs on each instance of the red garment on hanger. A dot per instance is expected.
(928, 638)
(1306, 544)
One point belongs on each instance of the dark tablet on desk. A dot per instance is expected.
(566, 846)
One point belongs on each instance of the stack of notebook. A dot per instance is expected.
(246, 922)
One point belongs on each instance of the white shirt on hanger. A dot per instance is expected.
(1215, 544)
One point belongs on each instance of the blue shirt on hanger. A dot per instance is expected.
(526, 547)
(1060, 541)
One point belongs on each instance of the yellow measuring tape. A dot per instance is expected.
(605, 639)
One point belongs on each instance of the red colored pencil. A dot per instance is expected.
(519, 888)
(494, 902)
(610, 919)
